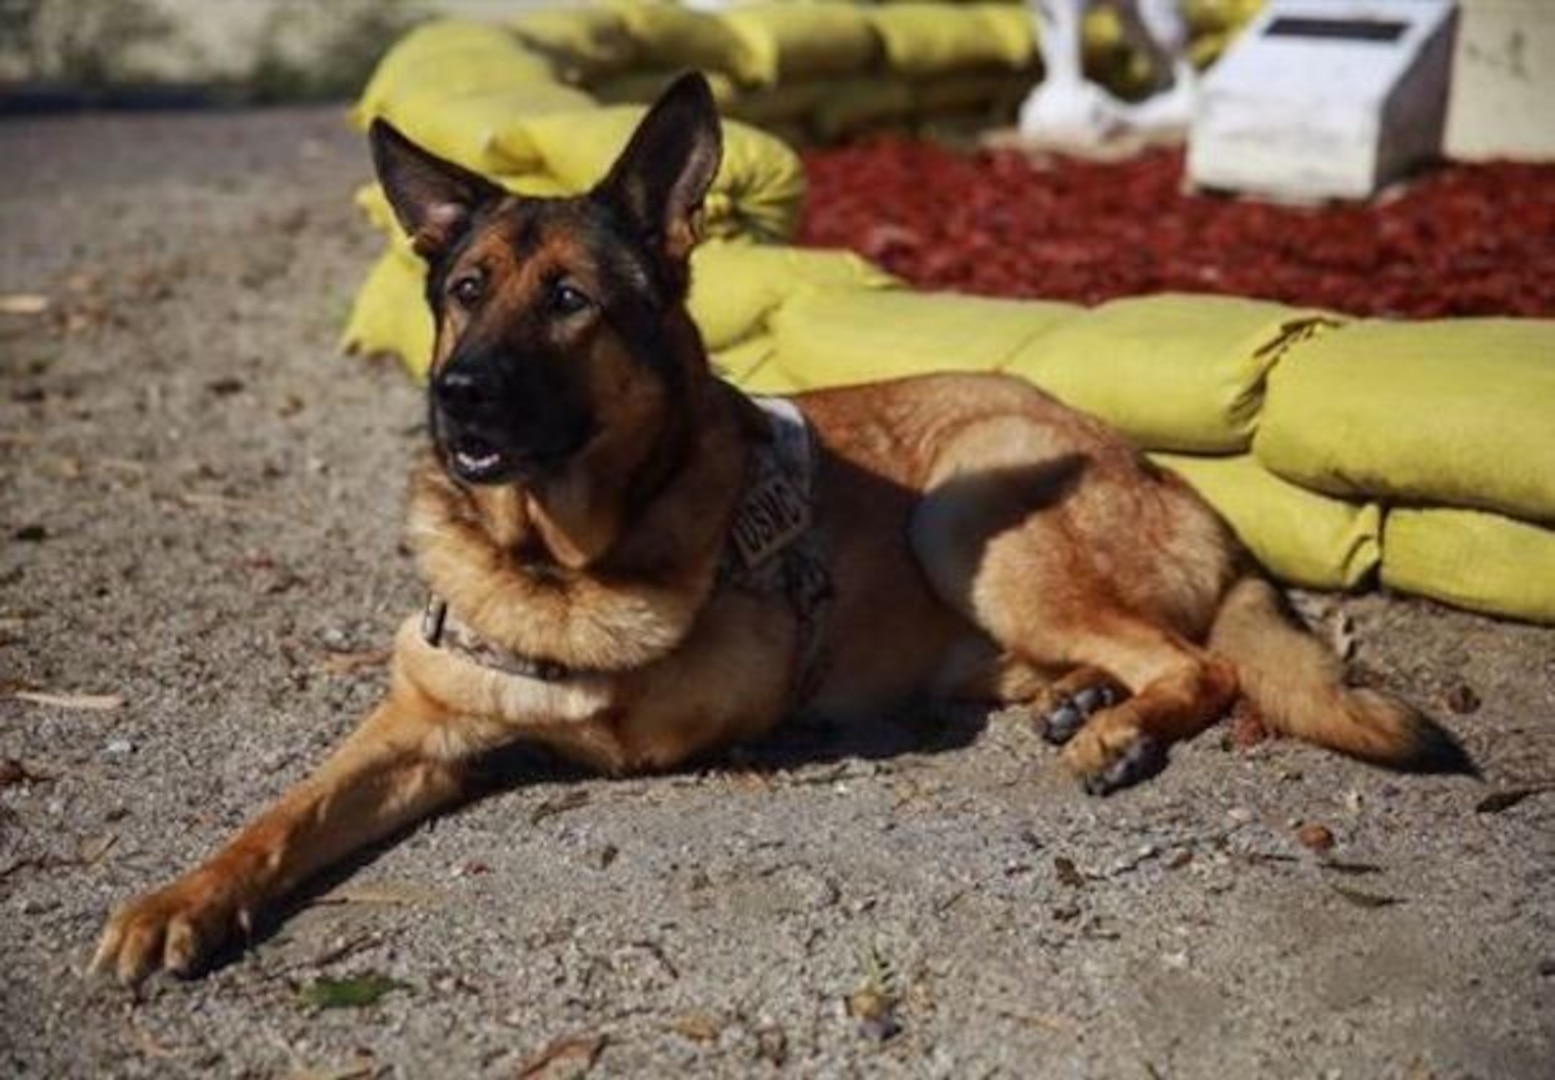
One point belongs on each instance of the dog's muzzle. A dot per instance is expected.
(487, 435)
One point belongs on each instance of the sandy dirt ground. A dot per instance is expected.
(200, 504)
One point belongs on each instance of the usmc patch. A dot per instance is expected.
(772, 516)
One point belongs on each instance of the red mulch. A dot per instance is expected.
(1459, 240)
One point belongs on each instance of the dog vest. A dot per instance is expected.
(772, 548)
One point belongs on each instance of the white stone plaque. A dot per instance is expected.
(1324, 99)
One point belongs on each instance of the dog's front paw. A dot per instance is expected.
(1111, 752)
(175, 929)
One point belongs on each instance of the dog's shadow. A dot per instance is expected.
(798, 743)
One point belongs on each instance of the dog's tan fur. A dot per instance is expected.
(985, 543)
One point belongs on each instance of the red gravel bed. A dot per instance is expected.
(1459, 240)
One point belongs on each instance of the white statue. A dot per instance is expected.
(1067, 108)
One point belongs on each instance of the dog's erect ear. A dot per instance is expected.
(663, 175)
(433, 199)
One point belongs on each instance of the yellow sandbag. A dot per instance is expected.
(480, 130)
(1299, 536)
(584, 40)
(734, 286)
(758, 192)
(1457, 412)
(837, 337)
(1213, 16)
(643, 86)
(390, 315)
(1175, 372)
(977, 91)
(1016, 31)
(850, 105)
(745, 365)
(670, 36)
(784, 42)
(926, 39)
(456, 87)
(787, 103)
(445, 59)
(1471, 559)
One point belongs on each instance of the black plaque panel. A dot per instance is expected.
(1371, 30)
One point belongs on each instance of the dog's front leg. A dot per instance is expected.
(400, 765)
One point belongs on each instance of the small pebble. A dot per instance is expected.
(1462, 699)
(772, 1045)
(119, 747)
(1315, 837)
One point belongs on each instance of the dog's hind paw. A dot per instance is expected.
(1144, 758)
(1068, 711)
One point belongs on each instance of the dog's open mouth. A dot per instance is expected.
(480, 457)
(477, 461)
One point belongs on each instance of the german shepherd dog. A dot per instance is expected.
(628, 569)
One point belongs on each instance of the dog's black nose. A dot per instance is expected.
(459, 390)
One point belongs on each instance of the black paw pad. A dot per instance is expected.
(1142, 760)
(1100, 696)
(1070, 714)
(1059, 725)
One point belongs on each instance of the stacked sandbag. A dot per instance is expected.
(737, 289)
(487, 97)
(1182, 376)
(1177, 373)
(460, 88)
(1110, 60)
(1185, 376)
(828, 69)
(476, 94)
(1341, 451)
(1452, 423)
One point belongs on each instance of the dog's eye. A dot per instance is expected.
(468, 290)
(567, 299)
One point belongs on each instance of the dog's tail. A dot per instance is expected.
(1297, 685)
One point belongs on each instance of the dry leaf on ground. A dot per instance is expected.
(89, 702)
(578, 1052)
(23, 304)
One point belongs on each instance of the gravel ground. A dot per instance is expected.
(200, 502)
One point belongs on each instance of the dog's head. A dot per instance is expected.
(560, 322)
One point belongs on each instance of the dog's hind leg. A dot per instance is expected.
(1004, 546)
(1134, 689)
